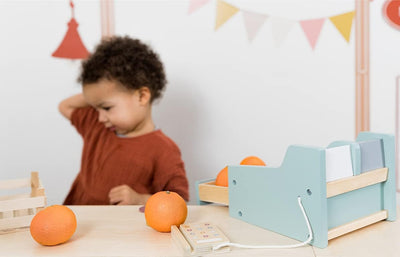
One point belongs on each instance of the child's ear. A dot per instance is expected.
(144, 95)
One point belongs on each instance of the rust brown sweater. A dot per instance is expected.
(147, 163)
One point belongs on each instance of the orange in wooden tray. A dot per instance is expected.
(53, 225)
(222, 178)
(252, 160)
(164, 209)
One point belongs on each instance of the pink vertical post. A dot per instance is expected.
(107, 18)
(362, 65)
(397, 132)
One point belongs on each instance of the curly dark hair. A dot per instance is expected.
(127, 61)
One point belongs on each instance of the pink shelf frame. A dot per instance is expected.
(107, 18)
(397, 132)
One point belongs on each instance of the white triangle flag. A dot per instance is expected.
(253, 22)
(280, 28)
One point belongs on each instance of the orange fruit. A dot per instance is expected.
(222, 178)
(164, 209)
(252, 160)
(53, 225)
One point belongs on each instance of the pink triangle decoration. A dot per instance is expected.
(312, 29)
(196, 4)
(253, 22)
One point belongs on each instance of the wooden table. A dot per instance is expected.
(122, 231)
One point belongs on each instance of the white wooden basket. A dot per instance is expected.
(17, 211)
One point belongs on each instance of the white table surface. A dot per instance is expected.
(122, 231)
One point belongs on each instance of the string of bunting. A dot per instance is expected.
(253, 21)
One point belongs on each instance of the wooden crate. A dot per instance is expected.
(17, 211)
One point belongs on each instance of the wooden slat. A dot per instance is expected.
(37, 192)
(23, 203)
(35, 183)
(357, 224)
(15, 183)
(10, 197)
(6, 214)
(16, 222)
(209, 192)
(345, 185)
(22, 212)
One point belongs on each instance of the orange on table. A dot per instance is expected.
(53, 225)
(222, 178)
(252, 160)
(164, 209)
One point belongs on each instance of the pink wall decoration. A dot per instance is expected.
(311, 29)
(71, 46)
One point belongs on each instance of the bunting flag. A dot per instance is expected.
(196, 4)
(253, 22)
(312, 29)
(224, 12)
(343, 23)
(280, 29)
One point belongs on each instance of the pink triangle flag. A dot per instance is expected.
(253, 22)
(312, 29)
(196, 4)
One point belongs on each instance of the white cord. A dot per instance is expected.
(310, 237)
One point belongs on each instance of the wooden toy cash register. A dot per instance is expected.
(267, 196)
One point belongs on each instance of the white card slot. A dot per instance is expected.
(338, 163)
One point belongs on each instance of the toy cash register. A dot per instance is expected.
(266, 196)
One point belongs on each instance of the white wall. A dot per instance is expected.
(226, 98)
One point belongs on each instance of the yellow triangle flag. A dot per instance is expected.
(224, 12)
(343, 23)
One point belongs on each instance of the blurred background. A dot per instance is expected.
(234, 91)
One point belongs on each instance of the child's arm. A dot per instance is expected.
(67, 106)
(123, 195)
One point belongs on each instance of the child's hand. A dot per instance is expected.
(124, 195)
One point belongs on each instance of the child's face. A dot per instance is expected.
(120, 110)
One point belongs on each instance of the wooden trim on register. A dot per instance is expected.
(357, 224)
(345, 185)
